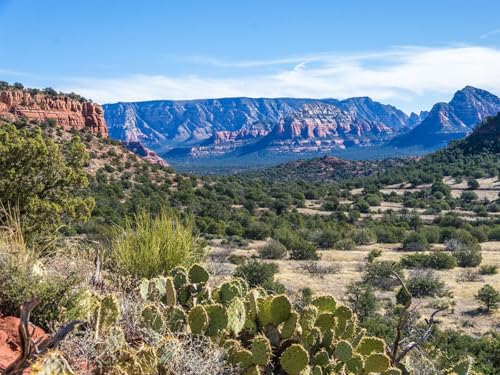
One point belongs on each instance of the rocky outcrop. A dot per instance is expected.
(10, 341)
(453, 120)
(69, 113)
(145, 153)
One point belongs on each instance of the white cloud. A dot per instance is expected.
(489, 33)
(411, 77)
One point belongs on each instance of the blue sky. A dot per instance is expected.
(409, 55)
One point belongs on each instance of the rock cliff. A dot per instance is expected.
(68, 112)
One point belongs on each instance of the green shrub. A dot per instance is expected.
(345, 244)
(362, 236)
(438, 260)
(303, 250)
(489, 297)
(494, 233)
(257, 230)
(375, 253)
(361, 299)
(149, 246)
(467, 254)
(58, 295)
(273, 250)
(488, 269)
(256, 273)
(423, 284)
(380, 274)
(415, 241)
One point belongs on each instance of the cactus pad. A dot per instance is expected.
(52, 363)
(261, 351)
(170, 292)
(108, 312)
(343, 351)
(289, 327)
(280, 309)
(198, 320)
(198, 274)
(217, 319)
(294, 359)
(325, 303)
(377, 362)
(180, 277)
(236, 315)
(152, 319)
(370, 345)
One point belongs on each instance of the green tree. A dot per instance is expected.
(489, 297)
(45, 180)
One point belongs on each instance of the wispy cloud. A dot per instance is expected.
(402, 75)
(489, 33)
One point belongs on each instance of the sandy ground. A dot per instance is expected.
(347, 266)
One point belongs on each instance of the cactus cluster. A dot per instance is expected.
(260, 331)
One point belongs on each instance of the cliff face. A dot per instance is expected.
(453, 120)
(69, 113)
(216, 126)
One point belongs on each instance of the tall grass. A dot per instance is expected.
(13, 246)
(148, 246)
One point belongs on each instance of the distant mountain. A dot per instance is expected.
(218, 126)
(484, 138)
(453, 120)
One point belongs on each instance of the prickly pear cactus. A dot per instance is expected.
(261, 350)
(52, 363)
(198, 320)
(294, 359)
(198, 274)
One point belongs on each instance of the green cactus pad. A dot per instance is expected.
(280, 309)
(153, 290)
(349, 329)
(322, 358)
(355, 364)
(370, 345)
(463, 367)
(325, 303)
(308, 317)
(261, 351)
(311, 339)
(264, 310)
(183, 295)
(115, 340)
(343, 313)
(198, 320)
(358, 336)
(52, 363)
(217, 319)
(317, 370)
(242, 358)
(343, 351)
(327, 341)
(228, 291)
(108, 312)
(170, 292)
(289, 327)
(294, 359)
(198, 274)
(325, 321)
(253, 308)
(236, 315)
(152, 319)
(377, 362)
(180, 276)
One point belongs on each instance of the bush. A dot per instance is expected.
(467, 254)
(362, 236)
(303, 250)
(437, 260)
(257, 230)
(58, 295)
(273, 250)
(489, 297)
(380, 274)
(361, 299)
(256, 273)
(345, 244)
(375, 253)
(494, 233)
(415, 241)
(150, 246)
(423, 284)
(488, 269)
(326, 238)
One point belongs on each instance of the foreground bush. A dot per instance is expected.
(149, 246)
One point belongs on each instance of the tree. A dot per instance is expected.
(362, 299)
(44, 180)
(472, 184)
(489, 297)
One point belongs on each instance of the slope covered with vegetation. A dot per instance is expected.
(131, 268)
